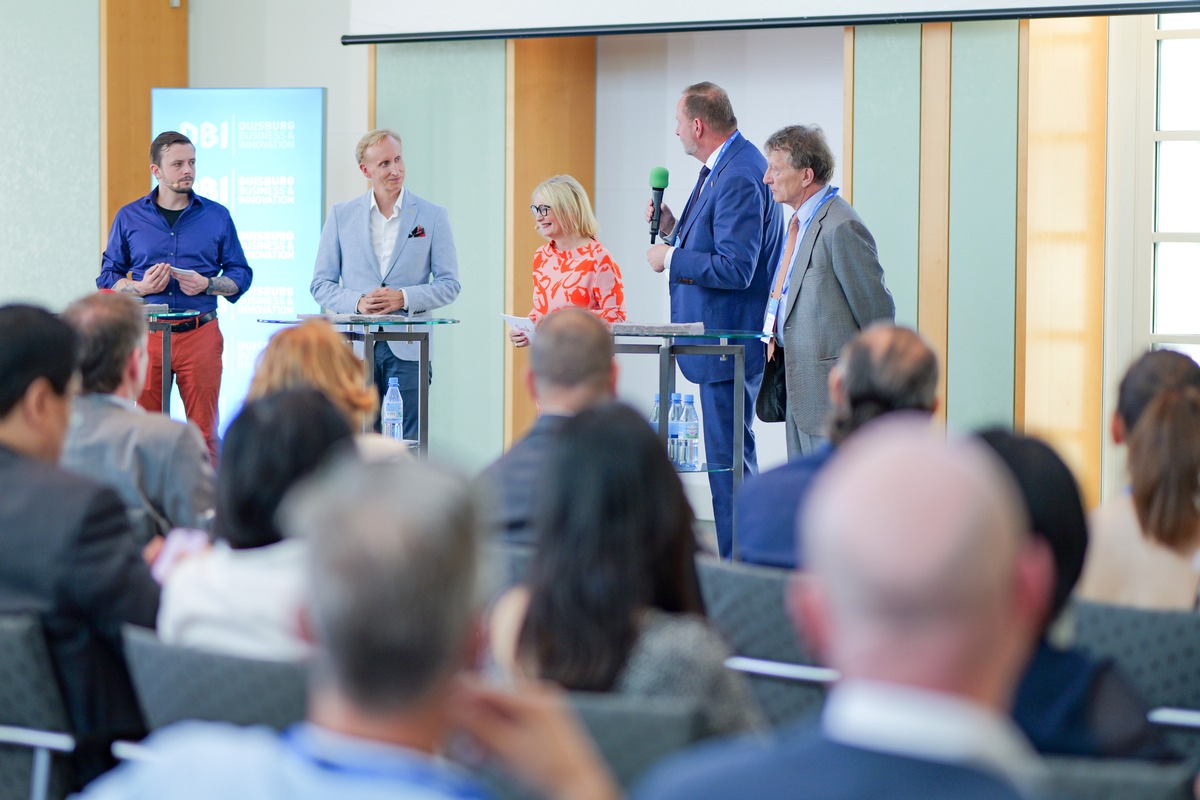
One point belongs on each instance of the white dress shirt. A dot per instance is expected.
(384, 231)
(710, 163)
(931, 726)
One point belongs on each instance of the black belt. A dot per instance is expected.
(193, 323)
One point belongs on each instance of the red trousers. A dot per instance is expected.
(196, 365)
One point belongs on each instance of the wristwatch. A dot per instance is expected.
(208, 289)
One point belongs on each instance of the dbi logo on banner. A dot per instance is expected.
(260, 153)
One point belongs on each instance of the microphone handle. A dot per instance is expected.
(656, 213)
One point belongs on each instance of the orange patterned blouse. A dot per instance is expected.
(586, 277)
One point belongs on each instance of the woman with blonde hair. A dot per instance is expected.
(314, 355)
(572, 268)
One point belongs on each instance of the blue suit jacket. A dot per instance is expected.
(802, 763)
(767, 507)
(726, 249)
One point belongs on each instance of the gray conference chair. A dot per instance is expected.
(631, 734)
(1118, 779)
(746, 604)
(35, 738)
(177, 683)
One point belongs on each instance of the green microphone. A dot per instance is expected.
(658, 182)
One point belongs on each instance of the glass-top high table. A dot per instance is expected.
(369, 329)
(717, 344)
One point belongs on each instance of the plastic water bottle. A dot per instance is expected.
(393, 411)
(654, 414)
(675, 426)
(689, 460)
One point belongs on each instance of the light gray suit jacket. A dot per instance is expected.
(424, 266)
(837, 288)
(159, 467)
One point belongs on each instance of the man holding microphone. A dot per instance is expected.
(719, 255)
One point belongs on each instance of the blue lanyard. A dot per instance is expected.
(773, 303)
(413, 773)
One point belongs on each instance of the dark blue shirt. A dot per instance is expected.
(203, 239)
(767, 506)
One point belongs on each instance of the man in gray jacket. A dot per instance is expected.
(828, 284)
(159, 467)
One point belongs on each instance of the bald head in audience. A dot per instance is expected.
(922, 570)
(571, 363)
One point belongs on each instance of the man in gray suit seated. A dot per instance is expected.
(828, 284)
(387, 252)
(571, 368)
(159, 466)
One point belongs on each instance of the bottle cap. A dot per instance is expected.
(689, 398)
(675, 396)
(393, 382)
(656, 397)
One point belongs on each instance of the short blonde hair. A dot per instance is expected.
(570, 202)
(314, 355)
(372, 138)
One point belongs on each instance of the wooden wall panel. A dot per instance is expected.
(934, 245)
(1062, 303)
(551, 130)
(143, 45)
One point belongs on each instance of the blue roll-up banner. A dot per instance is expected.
(261, 154)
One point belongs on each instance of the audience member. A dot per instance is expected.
(613, 602)
(314, 355)
(243, 595)
(926, 592)
(392, 608)
(69, 554)
(159, 466)
(1069, 703)
(1145, 541)
(884, 368)
(571, 367)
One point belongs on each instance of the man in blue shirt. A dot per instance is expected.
(884, 368)
(392, 606)
(176, 248)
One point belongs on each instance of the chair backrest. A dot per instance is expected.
(176, 683)
(631, 734)
(1159, 651)
(29, 698)
(785, 692)
(746, 604)
(1117, 779)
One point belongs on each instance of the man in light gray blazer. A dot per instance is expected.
(827, 285)
(159, 467)
(387, 252)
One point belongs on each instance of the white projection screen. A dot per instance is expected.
(395, 21)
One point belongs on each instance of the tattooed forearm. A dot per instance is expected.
(223, 286)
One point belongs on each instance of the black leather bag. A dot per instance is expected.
(771, 405)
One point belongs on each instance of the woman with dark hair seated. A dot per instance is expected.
(1069, 703)
(242, 596)
(612, 602)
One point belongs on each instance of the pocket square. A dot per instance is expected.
(417, 233)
